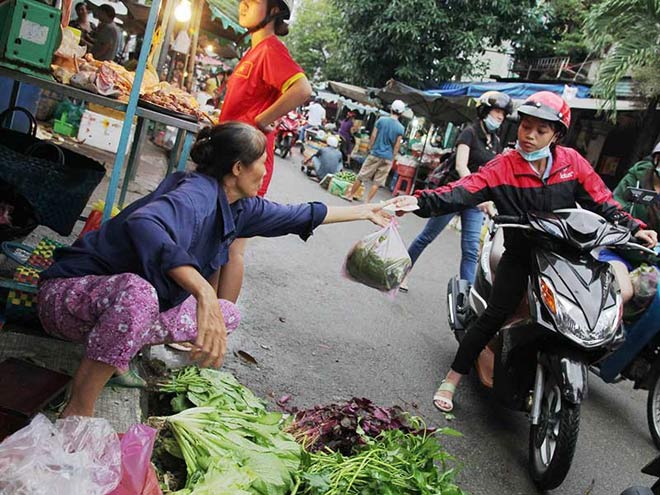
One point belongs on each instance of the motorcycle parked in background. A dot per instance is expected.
(286, 133)
(569, 319)
(638, 359)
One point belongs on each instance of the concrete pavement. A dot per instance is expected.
(320, 338)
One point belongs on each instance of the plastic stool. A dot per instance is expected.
(403, 185)
(405, 181)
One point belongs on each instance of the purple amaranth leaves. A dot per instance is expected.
(342, 426)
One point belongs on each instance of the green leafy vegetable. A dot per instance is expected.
(379, 260)
(394, 463)
(230, 443)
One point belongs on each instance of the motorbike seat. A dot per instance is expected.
(496, 251)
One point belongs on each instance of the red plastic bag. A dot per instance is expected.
(137, 476)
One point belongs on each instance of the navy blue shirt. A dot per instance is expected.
(187, 220)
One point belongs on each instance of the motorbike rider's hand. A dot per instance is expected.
(403, 204)
(648, 238)
(488, 208)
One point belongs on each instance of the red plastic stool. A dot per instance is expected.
(404, 182)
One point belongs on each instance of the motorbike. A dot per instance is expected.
(569, 319)
(638, 359)
(286, 133)
(652, 469)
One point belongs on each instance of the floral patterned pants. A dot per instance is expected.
(117, 315)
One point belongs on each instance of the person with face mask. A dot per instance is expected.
(644, 175)
(475, 146)
(539, 175)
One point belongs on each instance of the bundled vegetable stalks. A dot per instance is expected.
(342, 427)
(230, 443)
(207, 387)
(380, 260)
(251, 449)
(394, 463)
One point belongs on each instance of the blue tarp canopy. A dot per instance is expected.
(515, 90)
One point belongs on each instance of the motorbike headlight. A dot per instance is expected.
(570, 321)
(609, 320)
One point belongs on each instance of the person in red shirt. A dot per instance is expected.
(266, 84)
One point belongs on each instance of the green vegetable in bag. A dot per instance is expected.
(380, 260)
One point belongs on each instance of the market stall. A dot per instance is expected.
(140, 98)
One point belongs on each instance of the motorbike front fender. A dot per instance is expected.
(572, 376)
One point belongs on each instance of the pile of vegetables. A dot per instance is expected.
(347, 175)
(394, 463)
(230, 443)
(341, 426)
(380, 260)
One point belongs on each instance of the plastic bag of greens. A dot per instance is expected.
(645, 285)
(380, 260)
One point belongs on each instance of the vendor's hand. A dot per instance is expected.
(266, 128)
(648, 238)
(375, 213)
(487, 208)
(211, 343)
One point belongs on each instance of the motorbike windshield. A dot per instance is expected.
(580, 228)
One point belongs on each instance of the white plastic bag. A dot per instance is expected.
(74, 456)
(380, 260)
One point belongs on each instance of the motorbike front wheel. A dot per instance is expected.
(653, 406)
(552, 442)
(285, 147)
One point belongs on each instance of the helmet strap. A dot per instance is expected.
(265, 21)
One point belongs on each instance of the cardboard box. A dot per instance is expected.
(101, 131)
(338, 187)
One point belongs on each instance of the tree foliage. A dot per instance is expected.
(555, 30)
(422, 42)
(315, 40)
(628, 32)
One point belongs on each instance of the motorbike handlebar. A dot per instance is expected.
(634, 244)
(514, 219)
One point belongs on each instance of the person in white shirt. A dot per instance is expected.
(315, 118)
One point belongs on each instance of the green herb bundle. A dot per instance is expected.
(379, 260)
(394, 463)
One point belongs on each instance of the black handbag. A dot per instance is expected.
(55, 181)
(444, 173)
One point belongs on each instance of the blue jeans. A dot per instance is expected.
(301, 133)
(471, 222)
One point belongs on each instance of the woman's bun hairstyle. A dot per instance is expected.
(219, 148)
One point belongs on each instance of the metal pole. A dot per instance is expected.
(169, 21)
(130, 110)
(183, 158)
(133, 160)
(174, 153)
(198, 6)
(13, 99)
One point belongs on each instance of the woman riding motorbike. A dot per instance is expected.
(538, 175)
(644, 175)
(475, 146)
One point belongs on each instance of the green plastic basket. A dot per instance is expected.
(61, 126)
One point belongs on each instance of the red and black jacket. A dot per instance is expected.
(509, 181)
